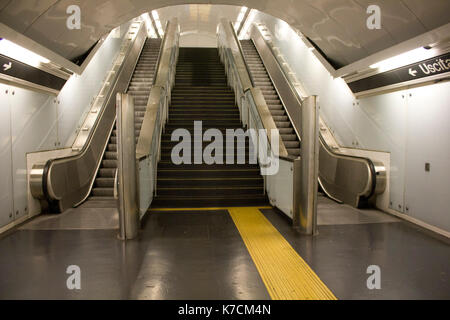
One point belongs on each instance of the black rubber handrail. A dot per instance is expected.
(161, 50)
(252, 82)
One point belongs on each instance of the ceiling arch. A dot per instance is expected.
(337, 27)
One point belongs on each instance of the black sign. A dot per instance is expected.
(419, 70)
(22, 71)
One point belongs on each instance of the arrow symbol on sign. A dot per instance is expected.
(412, 72)
(6, 67)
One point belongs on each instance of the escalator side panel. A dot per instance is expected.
(139, 88)
(263, 81)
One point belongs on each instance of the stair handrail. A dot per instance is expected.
(65, 182)
(250, 100)
(160, 54)
(160, 93)
(156, 117)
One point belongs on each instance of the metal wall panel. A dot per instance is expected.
(6, 195)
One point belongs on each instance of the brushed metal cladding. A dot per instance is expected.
(338, 27)
(66, 182)
(349, 179)
(127, 189)
(306, 172)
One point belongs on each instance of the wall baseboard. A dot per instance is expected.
(14, 224)
(419, 223)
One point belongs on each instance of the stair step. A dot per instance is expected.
(210, 182)
(198, 202)
(211, 191)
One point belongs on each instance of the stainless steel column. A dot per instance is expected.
(126, 151)
(306, 172)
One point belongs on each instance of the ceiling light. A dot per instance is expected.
(248, 23)
(16, 52)
(403, 59)
(149, 26)
(242, 14)
(158, 24)
(155, 15)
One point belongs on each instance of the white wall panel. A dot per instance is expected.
(33, 128)
(428, 193)
(31, 121)
(281, 190)
(384, 128)
(6, 196)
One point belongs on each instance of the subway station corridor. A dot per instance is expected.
(247, 151)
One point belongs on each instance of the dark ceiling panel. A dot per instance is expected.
(21, 14)
(337, 27)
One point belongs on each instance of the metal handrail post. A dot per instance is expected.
(126, 151)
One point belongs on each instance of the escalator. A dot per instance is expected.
(347, 179)
(262, 80)
(201, 93)
(139, 88)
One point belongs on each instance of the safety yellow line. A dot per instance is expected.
(286, 275)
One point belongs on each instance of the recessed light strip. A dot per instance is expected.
(247, 23)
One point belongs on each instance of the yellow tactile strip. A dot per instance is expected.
(286, 275)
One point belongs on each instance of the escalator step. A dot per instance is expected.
(273, 101)
(139, 87)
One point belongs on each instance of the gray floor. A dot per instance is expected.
(200, 255)
(196, 255)
(332, 213)
(93, 215)
(413, 264)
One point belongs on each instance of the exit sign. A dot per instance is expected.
(420, 70)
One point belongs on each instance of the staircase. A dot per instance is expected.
(139, 88)
(262, 80)
(201, 93)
